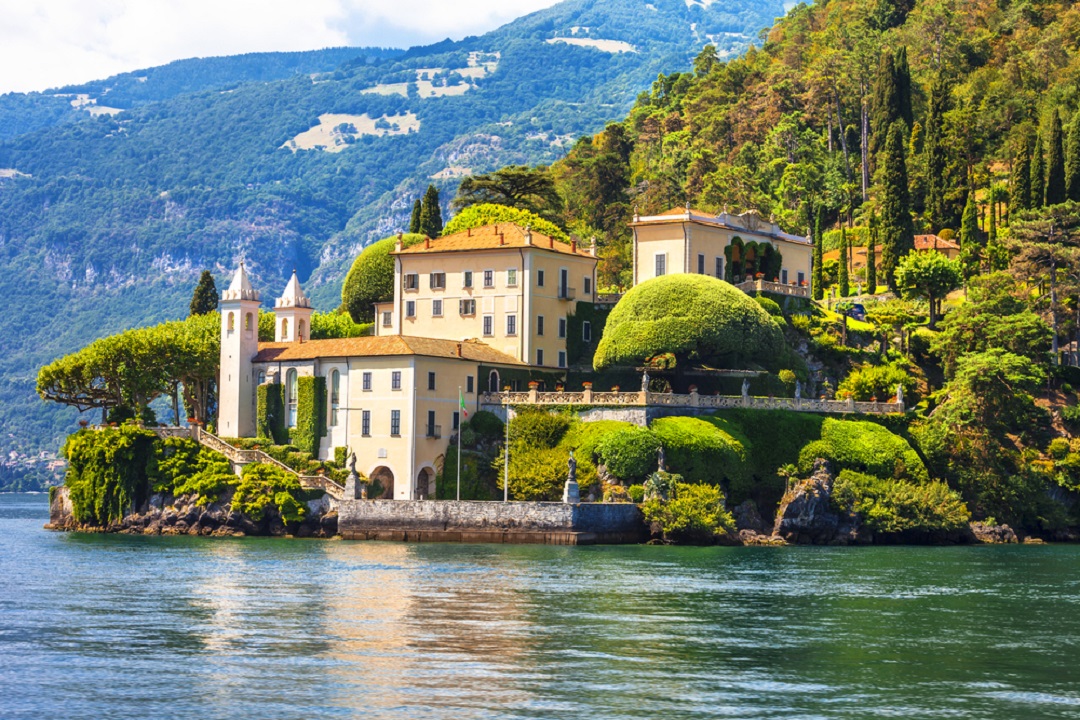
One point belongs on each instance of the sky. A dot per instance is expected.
(50, 43)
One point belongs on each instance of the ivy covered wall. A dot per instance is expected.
(270, 413)
(310, 414)
(577, 350)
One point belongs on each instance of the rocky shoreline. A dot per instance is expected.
(164, 514)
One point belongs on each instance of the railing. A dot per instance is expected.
(567, 293)
(434, 431)
(690, 400)
(774, 287)
(607, 298)
(172, 432)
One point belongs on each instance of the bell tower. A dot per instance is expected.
(239, 344)
(292, 314)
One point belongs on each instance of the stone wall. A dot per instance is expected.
(473, 521)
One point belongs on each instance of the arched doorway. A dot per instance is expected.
(493, 381)
(425, 485)
(385, 478)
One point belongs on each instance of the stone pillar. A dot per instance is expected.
(588, 393)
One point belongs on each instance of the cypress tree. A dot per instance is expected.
(897, 228)
(1038, 174)
(205, 298)
(414, 221)
(842, 276)
(991, 222)
(1055, 164)
(1020, 195)
(885, 102)
(871, 254)
(817, 279)
(934, 152)
(431, 223)
(1072, 159)
(969, 224)
(902, 82)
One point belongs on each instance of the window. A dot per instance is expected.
(412, 281)
(457, 420)
(335, 396)
(395, 423)
(300, 330)
(511, 324)
(431, 381)
(466, 279)
(539, 278)
(802, 278)
(284, 327)
(387, 319)
(661, 264)
(365, 423)
(290, 397)
(539, 324)
(262, 378)
(539, 356)
(511, 277)
(700, 264)
(431, 427)
(719, 268)
(410, 308)
(469, 384)
(489, 278)
(467, 307)
(436, 308)
(564, 284)
(562, 358)
(489, 325)
(437, 281)
(586, 331)
(586, 285)
(493, 381)
(366, 384)
(248, 324)
(783, 276)
(395, 380)
(562, 327)
(232, 321)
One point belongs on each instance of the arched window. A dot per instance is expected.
(335, 396)
(284, 329)
(290, 397)
(232, 322)
(300, 330)
(248, 323)
(262, 378)
(493, 381)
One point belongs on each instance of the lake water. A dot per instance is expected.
(95, 626)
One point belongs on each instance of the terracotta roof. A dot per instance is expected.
(749, 222)
(929, 242)
(492, 237)
(382, 346)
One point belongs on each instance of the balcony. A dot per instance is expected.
(567, 293)
(434, 431)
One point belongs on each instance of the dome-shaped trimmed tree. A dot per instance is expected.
(696, 318)
(371, 278)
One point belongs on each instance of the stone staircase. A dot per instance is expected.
(241, 457)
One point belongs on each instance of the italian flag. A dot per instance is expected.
(461, 402)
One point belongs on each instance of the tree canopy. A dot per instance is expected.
(694, 317)
(205, 298)
(517, 186)
(487, 214)
(929, 275)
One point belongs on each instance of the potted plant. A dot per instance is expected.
(587, 385)
(559, 387)
(693, 389)
(534, 384)
(83, 422)
(614, 388)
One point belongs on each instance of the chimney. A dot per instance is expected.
(459, 349)
(468, 232)
(502, 239)
(398, 245)
(551, 242)
(427, 243)
(573, 245)
(496, 228)
(592, 246)
(528, 234)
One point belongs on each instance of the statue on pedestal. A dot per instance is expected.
(571, 492)
(746, 387)
(798, 390)
(660, 464)
(900, 394)
(645, 381)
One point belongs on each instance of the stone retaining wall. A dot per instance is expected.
(497, 522)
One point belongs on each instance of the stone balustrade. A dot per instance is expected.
(776, 288)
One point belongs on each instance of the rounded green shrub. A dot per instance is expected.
(769, 305)
(538, 428)
(629, 453)
(636, 493)
(864, 447)
(486, 425)
(694, 515)
(694, 317)
(371, 278)
(482, 214)
(699, 450)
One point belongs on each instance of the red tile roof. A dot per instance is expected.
(492, 237)
(383, 346)
(930, 242)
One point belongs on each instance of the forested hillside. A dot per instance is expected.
(107, 219)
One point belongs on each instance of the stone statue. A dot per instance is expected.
(351, 462)
(660, 461)
(571, 492)
(355, 488)
(900, 394)
(746, 387)
(645, 381)
(798, 390)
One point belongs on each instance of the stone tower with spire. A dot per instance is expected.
(239, 344)
(292, 314)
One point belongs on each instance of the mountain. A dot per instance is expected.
(290, 160)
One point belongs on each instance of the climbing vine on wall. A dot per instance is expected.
(109, 472)
(270, 415)
(310, 414)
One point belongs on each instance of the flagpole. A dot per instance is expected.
(459, 428)
(506, 457)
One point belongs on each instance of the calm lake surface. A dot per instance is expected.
(131, 627)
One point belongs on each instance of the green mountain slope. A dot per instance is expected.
(106, 222)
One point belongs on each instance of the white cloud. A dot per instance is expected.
(49, 43)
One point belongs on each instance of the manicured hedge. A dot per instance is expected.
(371, 278)
(696, 317)
(270, 413)
(310, 414)
(629, 453)
(702, 450)
(865, 447)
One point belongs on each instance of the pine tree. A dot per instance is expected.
(969, 225)
(414, 221)
(205, 298)
(902, 81)
(1055, 164)
(871, 254)
(1038, 175)
(1020, 191)
(897, 228)
(935, 153)
(817, 278)
(842, 275)
(1072, 160)
(431, 223)
(885, 102)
